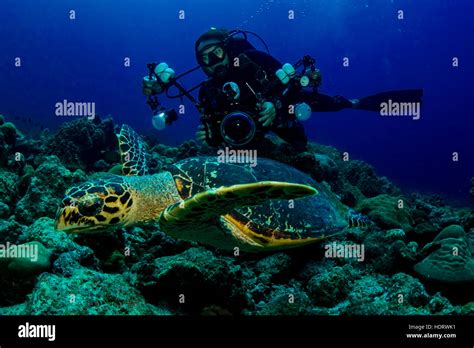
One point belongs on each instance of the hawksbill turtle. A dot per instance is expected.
(265, 207)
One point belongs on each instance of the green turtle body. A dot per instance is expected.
(264, 207)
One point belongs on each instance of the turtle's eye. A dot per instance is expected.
(90, 205)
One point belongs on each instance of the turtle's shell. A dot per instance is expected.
(310, 217)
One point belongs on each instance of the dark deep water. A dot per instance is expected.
(83, 60)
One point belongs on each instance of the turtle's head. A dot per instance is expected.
(99, 204)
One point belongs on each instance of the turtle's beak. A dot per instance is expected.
(68, 219)
(63, 216)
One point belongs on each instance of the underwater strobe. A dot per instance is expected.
(310, 77)
(160, 77)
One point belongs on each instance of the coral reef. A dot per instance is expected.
(9, 134)
(43, 194)
(387, 212)
(87, 142)
(417, 250)
(9, 190)
(284, 300)
(450, 257)
(213, 280)
(362, 175)
(87, 292)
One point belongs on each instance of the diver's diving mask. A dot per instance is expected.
(215, 56)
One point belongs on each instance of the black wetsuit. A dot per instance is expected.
(258, 69)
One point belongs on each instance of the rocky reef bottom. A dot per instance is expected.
(418, 255)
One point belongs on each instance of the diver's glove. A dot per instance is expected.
(268, 114)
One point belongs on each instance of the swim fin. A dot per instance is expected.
(372, 102)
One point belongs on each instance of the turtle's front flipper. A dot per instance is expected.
(204, 209)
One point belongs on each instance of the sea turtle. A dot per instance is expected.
(264, 207)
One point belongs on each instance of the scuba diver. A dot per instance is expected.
(249, 93)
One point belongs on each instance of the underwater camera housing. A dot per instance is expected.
(236, 124)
